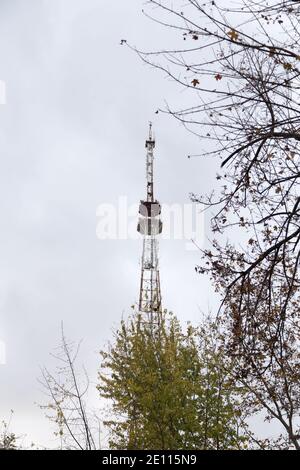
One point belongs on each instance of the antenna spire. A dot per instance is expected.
(150, 130)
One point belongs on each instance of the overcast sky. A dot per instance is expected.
(72, 137)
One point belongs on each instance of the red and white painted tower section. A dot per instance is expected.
(150, 227)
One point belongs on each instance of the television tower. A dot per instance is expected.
(150, 226)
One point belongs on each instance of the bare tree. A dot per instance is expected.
(67, 390)
(267, 366)
(240, 63)
(8, 439)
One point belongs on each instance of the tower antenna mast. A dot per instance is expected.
(150, 227)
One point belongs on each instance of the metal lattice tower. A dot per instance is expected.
(150, 226)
